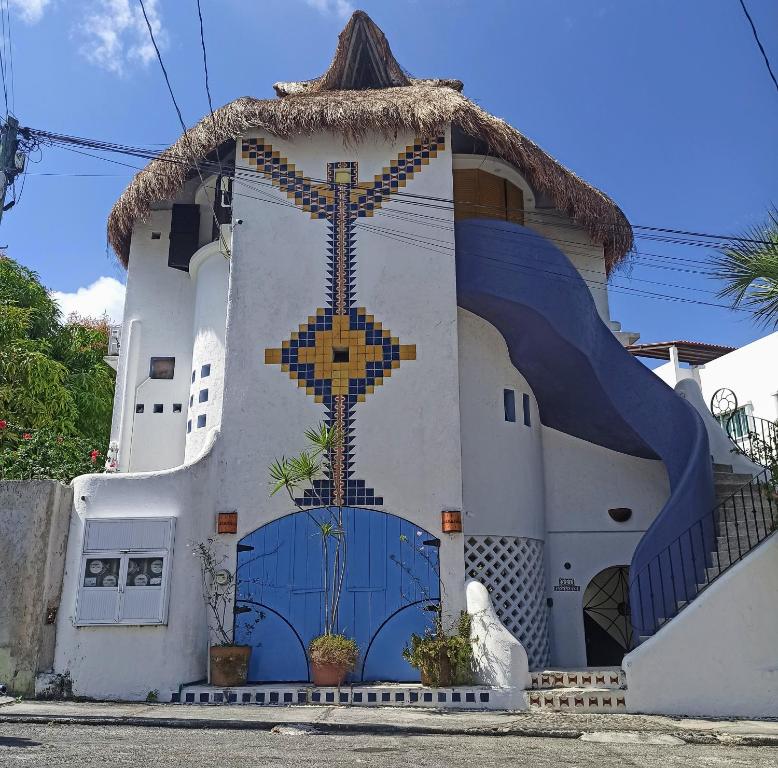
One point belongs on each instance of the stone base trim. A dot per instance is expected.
(411, 695)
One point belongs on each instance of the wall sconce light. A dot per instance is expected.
(451, 521)
(620, 514)
(227, 522)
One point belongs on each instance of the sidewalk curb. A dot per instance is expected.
(709, 738)
(320, 727)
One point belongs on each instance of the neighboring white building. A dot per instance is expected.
(750, 371)
(380, 254)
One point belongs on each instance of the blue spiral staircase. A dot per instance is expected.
(587, 385)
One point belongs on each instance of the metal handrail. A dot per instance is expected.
(757, 438)
(693, 561)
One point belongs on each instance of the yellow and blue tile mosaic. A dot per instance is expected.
(342, 353)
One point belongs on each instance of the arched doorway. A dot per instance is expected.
(391, 574)
(607, 624)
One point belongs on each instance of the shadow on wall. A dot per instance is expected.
(528, 289)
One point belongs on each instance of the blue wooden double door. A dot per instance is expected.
(391, 583)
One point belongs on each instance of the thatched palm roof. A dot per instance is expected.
(364, 91)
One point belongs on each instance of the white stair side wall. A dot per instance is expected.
(718, 657)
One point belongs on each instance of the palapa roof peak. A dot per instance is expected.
(364, 91)
(363, 60)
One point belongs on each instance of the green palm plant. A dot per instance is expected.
(749, 269)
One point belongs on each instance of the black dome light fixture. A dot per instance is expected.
(620, 514)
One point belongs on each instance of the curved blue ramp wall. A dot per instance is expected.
(589, 386)
(391, 574)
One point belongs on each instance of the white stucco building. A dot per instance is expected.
(379, 254)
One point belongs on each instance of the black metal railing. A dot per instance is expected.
(754, 437)
(702, 553)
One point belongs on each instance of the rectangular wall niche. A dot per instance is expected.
(162, 367)
(525, 406)
(509, 404)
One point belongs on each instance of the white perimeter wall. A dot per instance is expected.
(126, 662)
(583, 481)
(407, 432)
(718, 657)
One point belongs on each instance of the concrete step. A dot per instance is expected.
(722, 467)
(594, 677)
(731, 478)
(593, 700)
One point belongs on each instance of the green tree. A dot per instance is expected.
(56, 391)
(749, 269)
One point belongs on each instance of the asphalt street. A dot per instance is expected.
(66, 746)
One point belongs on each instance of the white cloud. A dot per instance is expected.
(115, 33)
(340, 8)
(30, 10)
(104, 295)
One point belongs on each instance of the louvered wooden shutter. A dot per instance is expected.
(514, 199)
(491, 196)
(465, 193)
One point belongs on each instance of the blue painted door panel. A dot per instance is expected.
(391, 574)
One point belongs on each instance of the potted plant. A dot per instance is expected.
(332, 655)
(444, 653)
(443, 658)
(229, 663)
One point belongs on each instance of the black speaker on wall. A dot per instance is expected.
(184, 235)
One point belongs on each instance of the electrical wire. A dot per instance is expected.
(660, 234)
(759, 43)
(183, 125)
(11, 57)
(3, 54)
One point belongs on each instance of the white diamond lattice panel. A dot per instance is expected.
(511, 568)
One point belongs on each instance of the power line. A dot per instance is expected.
(11, 56)
(183, 125)
(759, 43)
(652, 232)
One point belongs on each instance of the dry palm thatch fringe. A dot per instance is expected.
(422, 109)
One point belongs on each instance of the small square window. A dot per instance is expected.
(156, 235)
(340, 354)
(176, 407)
(509, 404)
(162, 367)
(188, 426)
(159, 408)
(525, 405)
(201, 421)
(203, 396)
(205, 371)
(139, 408)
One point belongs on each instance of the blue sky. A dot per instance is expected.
(665, 105)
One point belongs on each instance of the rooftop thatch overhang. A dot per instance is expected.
(366, 91)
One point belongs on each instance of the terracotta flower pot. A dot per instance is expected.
(229, 665)
(328, 675)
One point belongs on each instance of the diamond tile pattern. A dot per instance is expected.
(511, 568)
